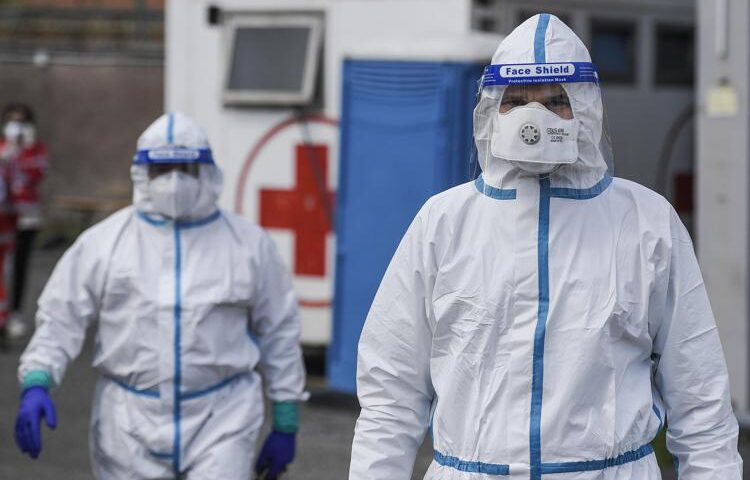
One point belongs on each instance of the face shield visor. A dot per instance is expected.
(176, 182)
(541, 119)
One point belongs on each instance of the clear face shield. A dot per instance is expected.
(176, 182)
(539, 119)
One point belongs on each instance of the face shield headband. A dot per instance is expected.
(539, 73)
(173, 155)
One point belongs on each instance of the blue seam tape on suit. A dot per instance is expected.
(537, 467)
(182, 224)
(154, 393)
(537, 376)
(211, 389)
(178, 395)
(592, 465)
(177, 348)
(658, 415)
(494, 192)
(582, 193)
(546, 193)
(162, 455)
(540, 55)
(170, 128)
(546, 468)
(471, 467)
(555, 192)
(153, 221)
(137, 391)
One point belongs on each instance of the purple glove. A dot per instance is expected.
(35, 404)
(276, 454)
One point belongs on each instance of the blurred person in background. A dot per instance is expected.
(8, 225)
(188, 300)
(25, 159)
(547, 319)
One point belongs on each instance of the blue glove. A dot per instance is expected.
(35, 404)
(276, 454)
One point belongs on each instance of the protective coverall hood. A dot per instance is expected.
(545, 39)
(175, 138)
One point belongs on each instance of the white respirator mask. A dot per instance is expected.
(174, 194)
(21, 133)
(535, 139)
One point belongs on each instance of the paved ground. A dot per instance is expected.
(324, 441)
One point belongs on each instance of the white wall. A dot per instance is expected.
(723, 173)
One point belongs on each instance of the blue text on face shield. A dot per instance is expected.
(566, 69)
(535, 73)
(552, 69)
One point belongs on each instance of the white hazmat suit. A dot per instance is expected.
(185, 312)
(544, 326)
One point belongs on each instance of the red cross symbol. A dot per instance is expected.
(307, 210)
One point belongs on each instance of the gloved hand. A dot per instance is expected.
(276, 454)
(35, 404)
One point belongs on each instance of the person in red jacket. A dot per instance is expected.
(7, 239)
(25, 160)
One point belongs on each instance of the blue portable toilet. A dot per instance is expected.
(406, 134)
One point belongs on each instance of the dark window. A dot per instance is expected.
(273, 59)
(675, 55)
(269, 58)
(613, 51)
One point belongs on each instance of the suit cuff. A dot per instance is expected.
(285, 417)
(36, 378)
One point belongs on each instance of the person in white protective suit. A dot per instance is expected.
(187, 300)
(545, 320)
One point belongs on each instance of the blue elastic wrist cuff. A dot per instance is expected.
(285, 417)
(37, 378)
